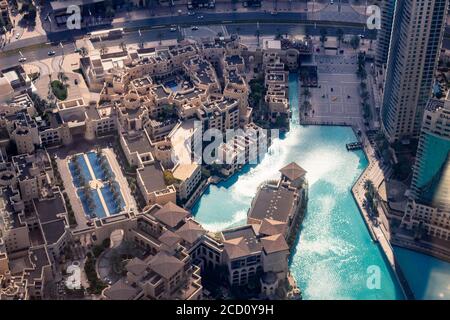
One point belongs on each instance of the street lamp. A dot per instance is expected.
(49, 21)
(62, 60)
(140, 38)
(314, 14)
(6, 34)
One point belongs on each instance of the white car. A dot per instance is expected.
(190, 13)
(51, 53)
(173, 29)
(17, 35)
(194, 28)
(22, 59)
(200, 17)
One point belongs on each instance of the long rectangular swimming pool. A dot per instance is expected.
(96, 173)
(98, 209)
(84, 171)
(95, 162)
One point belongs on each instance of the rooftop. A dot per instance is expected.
(273, 202)
(293, 171)
(171, 214)
(241, 241)
(165, 265)
(49, 209)
(137, 142)
(152, 176)
(53, 231)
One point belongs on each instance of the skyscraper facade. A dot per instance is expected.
(384, 34)
(416, 39)
(429, 206)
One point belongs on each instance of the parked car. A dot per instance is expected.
(51, 53)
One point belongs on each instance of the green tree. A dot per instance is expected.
(169, 179)
(355, 42)
(258, 34)
(340, 35)
(323, 35)
(369, 186)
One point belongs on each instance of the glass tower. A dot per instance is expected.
(429, 204)
(413, 54)
(431, 178)
(384, 34)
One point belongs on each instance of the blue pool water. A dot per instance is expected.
(84, 171)
(335, 249)
(94, 160)
(98, 210)
(172, 85)
(107, 194)
(428, 277)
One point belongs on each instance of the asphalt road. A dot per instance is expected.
(246, 29)
(187, 20)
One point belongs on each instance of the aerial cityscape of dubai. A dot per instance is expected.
(224, 150)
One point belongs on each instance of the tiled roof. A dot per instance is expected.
(293, 171)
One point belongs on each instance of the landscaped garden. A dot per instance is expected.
(59, 89)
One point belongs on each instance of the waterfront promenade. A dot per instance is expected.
(377, 173)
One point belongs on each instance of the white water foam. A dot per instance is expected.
(237, 218)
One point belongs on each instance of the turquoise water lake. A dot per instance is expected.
(334, 249)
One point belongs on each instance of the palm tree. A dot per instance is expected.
(81, 180)
(306, 106)
(278, 34)
(369, 186)
(83, 51)
(340, 35)
(258, 34)
(62, 77)
(86, 188)
(160, 37)
(354, 42)
(306, 93)
(304, 74)
(361, 73)
(323, 35)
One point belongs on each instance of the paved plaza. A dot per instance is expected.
(336, 99)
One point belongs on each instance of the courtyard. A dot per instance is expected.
(95, 184)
